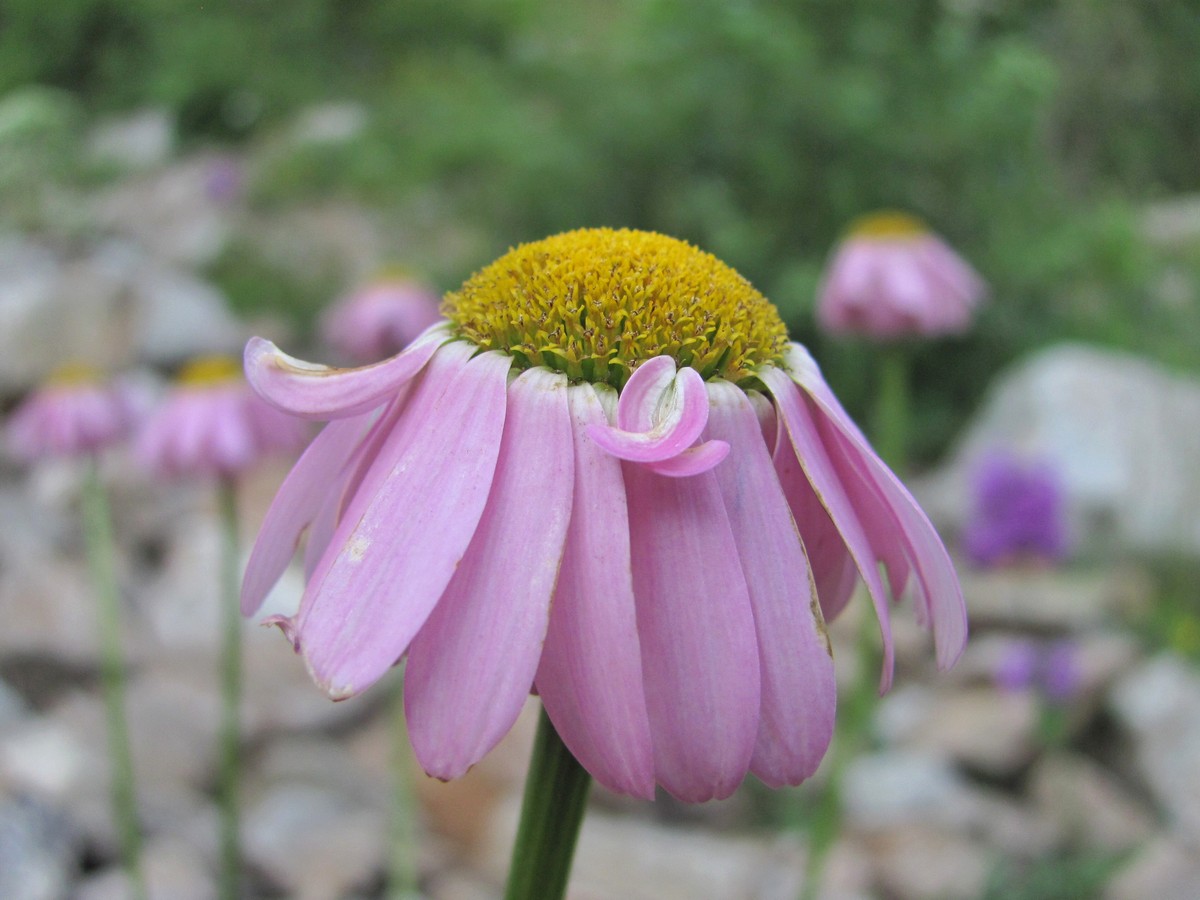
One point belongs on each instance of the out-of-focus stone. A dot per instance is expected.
(1088, 804)
(173, 870)
(137, 141)
(981, 728)
(330, 123)
(172, 212)
(627, 859)
(1047, 600)
(42, 758)
(37, 851)
(1122, 432)
(1158, 703)
(919, 862)
(1165, 869)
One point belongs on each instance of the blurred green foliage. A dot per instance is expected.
(1025, 131)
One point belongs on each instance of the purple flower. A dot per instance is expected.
(610, 478)
(74, 414)
(212, 424)
(380, 319)
(893, 278)
(1052, 668)
(1017, 512)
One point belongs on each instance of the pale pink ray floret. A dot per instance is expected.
(379, 318)
(653, 564)
(69, 419)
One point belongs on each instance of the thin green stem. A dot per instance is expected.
(229, 763)
(402, 867)
(892, 411)
(97, 528)
(556, 790)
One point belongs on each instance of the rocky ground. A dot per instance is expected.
(961, 789)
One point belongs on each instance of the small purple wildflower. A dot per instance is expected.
(1017, 512)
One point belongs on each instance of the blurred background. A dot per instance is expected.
(176, 176)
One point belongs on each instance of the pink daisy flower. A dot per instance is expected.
(380, 318)
(74, 414)
(894, 278)
(212, 424)
(609, 478)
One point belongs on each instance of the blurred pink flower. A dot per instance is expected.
(73, 414)
(893, 278)
(380, 318)
(212, 424)
(631, 555)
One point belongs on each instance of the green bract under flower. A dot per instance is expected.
(596, 303)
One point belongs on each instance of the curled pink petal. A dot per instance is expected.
(472, 664)
(320, 392)
(408, 526)
(795, 662)
(661, 413)
(590, 675)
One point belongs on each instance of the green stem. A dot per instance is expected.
(97, 527)
(892, 408)
(229, 750)
(556, 790)
(402, 868)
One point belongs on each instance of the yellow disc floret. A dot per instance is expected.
(209, 370)
(598, 302)
(888, 223)
(74, 374)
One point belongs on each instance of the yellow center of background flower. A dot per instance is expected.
(73, 374)
(597, 302)
(888, 224)
(209, 370)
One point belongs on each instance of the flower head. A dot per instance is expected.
(1017, 512)
(893, 278)
(212, 424)
(380, 318)
(73, 414)
(1051, 667)
(607, 476)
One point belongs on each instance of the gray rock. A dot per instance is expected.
(1123, 433)
(1088, 804)
(1158, 703)
(137, 141)
(1054, 601)
(37, 851)
(1165, 869)
(330, 123)
(920, 862)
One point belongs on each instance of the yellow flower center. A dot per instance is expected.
(596, 303)
(204, 371)
(74, 374)
(888, 224)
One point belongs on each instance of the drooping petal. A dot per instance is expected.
(590, 676)
(806, 442)
(940, 592)
(296, 504)
(699, 649)
(834, 572)
(795, 660)
(408, 526)
(660, 415)
(471, 666)
(321, 392)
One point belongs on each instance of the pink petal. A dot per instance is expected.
(941, 596)
(296, 504)
(795, 659)
(321, 392)
(699, 649)
(661, 413)
(408, 525)
(814, 459)
(471, 666)
(590, 677)
(834, 572)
